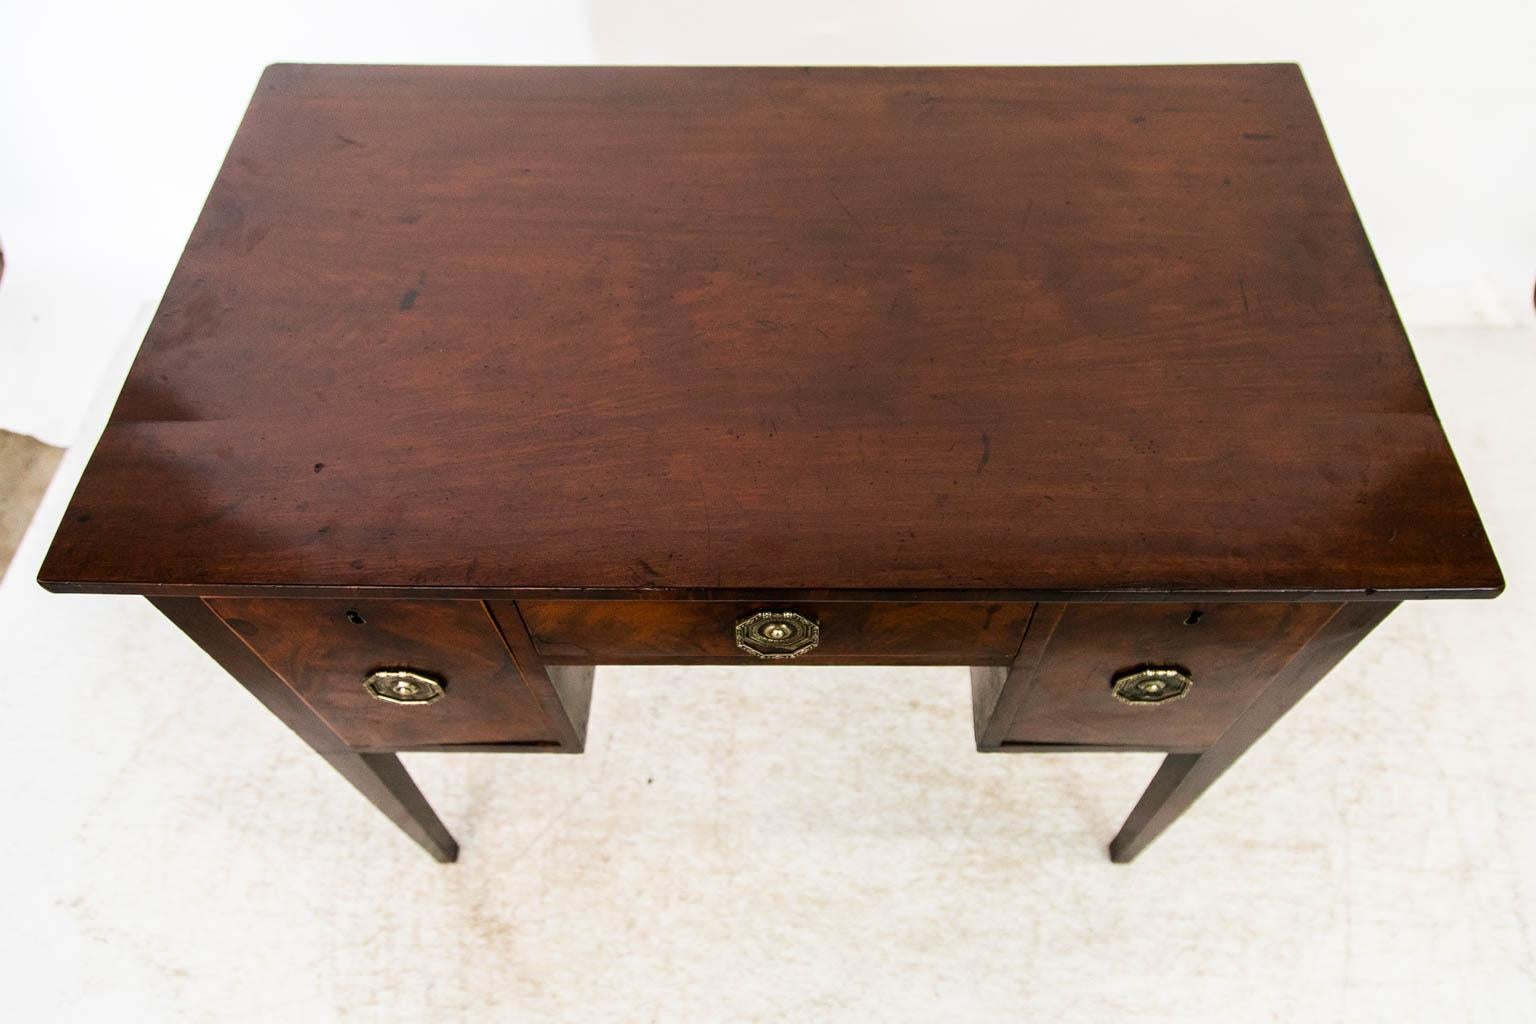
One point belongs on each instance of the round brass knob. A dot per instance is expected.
(403, 686)
(1151, 685)
(777, 635)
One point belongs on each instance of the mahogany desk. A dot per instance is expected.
(471, 379)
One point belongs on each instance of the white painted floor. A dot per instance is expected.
(787, 844)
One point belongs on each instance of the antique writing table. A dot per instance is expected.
(471, 379)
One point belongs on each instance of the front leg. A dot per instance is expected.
(1182, 778)
(378, 776)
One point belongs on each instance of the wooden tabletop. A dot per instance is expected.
(1010, 331)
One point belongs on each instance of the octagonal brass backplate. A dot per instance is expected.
(1151, 685)
(777, 636)
(404, 686)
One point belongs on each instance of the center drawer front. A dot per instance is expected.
(872, 633)
(325, 650)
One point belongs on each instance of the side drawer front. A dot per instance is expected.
(1231, 651)
(670, 632)
(327, 649)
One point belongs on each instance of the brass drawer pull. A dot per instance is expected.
(404, 686)
(1151, 685)
(777, 635)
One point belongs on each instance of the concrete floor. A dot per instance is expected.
(788, 844)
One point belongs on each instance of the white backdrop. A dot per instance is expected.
(113, 119)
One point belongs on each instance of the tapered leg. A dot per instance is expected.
(1184, 777)
(383, 780)
(1162, 802)
(379, 777)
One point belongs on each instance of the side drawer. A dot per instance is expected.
(1068, 667)
(327, 650)
(875, 633)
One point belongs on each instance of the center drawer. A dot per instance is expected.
(846, 632)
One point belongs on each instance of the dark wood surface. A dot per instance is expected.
(564, 692)
(994, 703)
(1008, 332)
(669, 632)
(1231, 651)
(326, 656)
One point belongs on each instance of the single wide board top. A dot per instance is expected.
(984, 330)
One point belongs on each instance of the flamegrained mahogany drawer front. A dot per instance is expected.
(1227, 653)
(326, 651)
(639, 632)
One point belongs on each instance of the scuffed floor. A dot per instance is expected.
(801, 844)
(26, 467)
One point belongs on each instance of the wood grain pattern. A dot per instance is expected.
(668, 632)
(997, 690)
(1001, 331)
(1232, 652)
(565, 693)
(325, 655)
